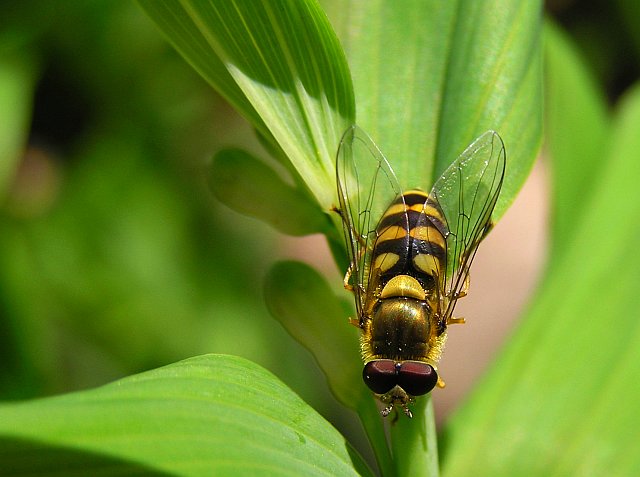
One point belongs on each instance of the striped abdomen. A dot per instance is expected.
(407, 265)
(410, 241)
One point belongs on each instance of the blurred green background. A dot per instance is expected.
(114, 258)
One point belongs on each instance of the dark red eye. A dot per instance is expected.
(417, 378)
(380, 375)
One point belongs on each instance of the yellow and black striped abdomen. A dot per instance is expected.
(411, 241)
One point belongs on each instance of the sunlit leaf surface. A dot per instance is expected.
(560, 398)
(210, 415)
(280, 64)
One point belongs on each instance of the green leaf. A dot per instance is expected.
(301, 299)
(280, 64)
(250, 187)
(304, 304)
(209, 415)
(561, 399)
(578, 127)
(430, 77)
(17, 79)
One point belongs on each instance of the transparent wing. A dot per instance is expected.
(467, 193)
(366, 187)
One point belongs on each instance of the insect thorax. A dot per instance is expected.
(400, 329)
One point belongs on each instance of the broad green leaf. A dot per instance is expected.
(209, 415)
(494, 81)
(17, 78)
(277, 62)
(431, 76)
(578, 127)
(250, 187)
(561, 399)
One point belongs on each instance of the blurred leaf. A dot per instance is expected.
(209, 415)
(302, 301)
(280, 64)
(17, 79)
(561, 398)
(122, 274)
(250, 187)
(578, 127)
(430, 77)
(628, 11)
(304, 304)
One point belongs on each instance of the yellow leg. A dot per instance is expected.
(352, 266)
(440, 383)
(347, 277)
(464, 290)
(455, 321)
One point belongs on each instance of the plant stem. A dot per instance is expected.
(374, 428)
(414, 443)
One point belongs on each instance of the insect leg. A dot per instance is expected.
(487, 228)
(352, 266)
(387, 410)
(347, 277)
(353, 321)
(464, 290)
(461, 294)
(337, 211)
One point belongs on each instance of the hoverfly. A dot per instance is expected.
(410, 254)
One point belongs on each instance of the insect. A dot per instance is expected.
(410, 254)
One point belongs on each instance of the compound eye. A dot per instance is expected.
(417, 378)
(380, 375)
